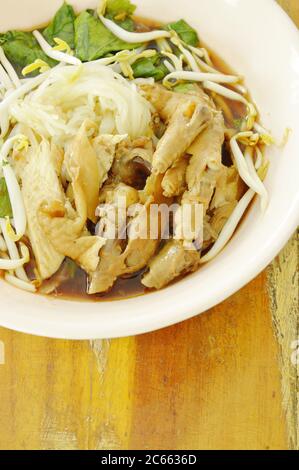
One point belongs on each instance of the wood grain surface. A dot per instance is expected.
(224, 380)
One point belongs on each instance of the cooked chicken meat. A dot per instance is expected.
(115, 262)
(172, 261)
(174, 182)
(185, 115)
(40, 184)
(206, 153)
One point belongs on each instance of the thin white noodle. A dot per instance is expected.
(15, 95)
(14, 281)
(56, 55)
(23, 90)
(9, 69)
(133, 37)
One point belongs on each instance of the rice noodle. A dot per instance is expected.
(132, 38)
(76, 92)
(15, 95)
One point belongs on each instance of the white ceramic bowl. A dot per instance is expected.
(258, 39)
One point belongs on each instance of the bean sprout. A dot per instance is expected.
(12, 250)
(13, 264)
(132, 38)
(242, 165)
(14, 281)
(230, 227)
(9, 69)
(199, 77)
(54, 54)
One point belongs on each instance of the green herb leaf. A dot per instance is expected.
(5, 206)
(22, 49)
(62, 26)
(150, 67)
(127, 23)
(119, 7)
(121, 11)
(185, 32)
(184, 87)
(93, 40)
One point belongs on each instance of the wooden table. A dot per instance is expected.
(213, 382)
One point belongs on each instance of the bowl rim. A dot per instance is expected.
(172, 314)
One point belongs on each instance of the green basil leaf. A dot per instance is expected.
(150, 67)
(22, 49)
(119, 7)
(93, 40)
(185, 32)
(62, 26)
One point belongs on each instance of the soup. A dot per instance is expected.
(130, 155)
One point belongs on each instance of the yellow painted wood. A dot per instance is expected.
(210, 383)
(283, 284)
